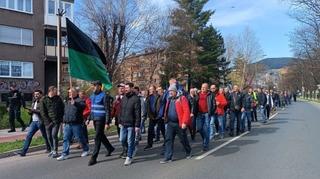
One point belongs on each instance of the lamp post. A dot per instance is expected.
(60, 13)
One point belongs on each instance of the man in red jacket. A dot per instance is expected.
(177, 116)
(86, 112)
(221, 103)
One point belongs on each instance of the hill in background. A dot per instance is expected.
(277, 63)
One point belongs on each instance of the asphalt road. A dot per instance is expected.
(287, 147)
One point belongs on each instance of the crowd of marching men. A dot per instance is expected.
(210, 111)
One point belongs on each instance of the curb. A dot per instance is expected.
(37, 148)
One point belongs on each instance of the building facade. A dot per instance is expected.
(143, 69)
(28, 52)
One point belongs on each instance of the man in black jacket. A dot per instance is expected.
(51, 111)
(129, 120)
(192, 100)
(14, 103)
(247, 101)
(35, 124)
(262, 101)
(235, 104)
(152, 112)
(73, 119)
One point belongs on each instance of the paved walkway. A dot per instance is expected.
(18, 135)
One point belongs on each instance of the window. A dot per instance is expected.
(9, 35)
(27, 69)
(28, 5)
(4, 68)
(27, 37)
(67, 8)
(3, 3)
(17, 5)
(15, 35)
(20, 5)
(51, 41)
(11, 4)
(51, 7)
(16, 69)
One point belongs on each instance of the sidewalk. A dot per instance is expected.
(18, 135)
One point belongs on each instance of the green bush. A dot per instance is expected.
(4, 117)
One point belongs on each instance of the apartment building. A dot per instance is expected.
(28, 52)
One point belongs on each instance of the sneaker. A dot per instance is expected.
(148, 147)
(156, 140)
(205, 149)
(222, 136)
(85, 153)
(54, 155)
(11, 131)
(21, 154)
(23, 129)
(123, 155)
(128, 161)
(92, 161)
(63, 157)
(50, 154)
(110, 152)
(188, 156)
(165, 161)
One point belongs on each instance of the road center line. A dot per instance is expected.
(226, 143)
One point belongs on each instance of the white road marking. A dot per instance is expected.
(271, 117)
(226, 143)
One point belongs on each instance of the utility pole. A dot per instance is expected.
(60, 13)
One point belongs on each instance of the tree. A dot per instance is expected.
(215, 66)
(305, 41)
(244, 50)
(194, 47)
(118, 27)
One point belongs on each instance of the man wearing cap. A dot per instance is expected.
(177, 117)
(100, 114)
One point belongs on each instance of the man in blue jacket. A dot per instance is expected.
(100, 114)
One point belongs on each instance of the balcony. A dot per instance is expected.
(52, 51)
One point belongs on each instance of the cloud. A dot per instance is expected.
(234, 12)
(234, 17)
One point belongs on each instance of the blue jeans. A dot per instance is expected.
(212, 126)
(202, 123)
(263, 113)
(246, 116)
(221, 119)
(142, 125)
(33, 128)
(75, 130)
(127, 138)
